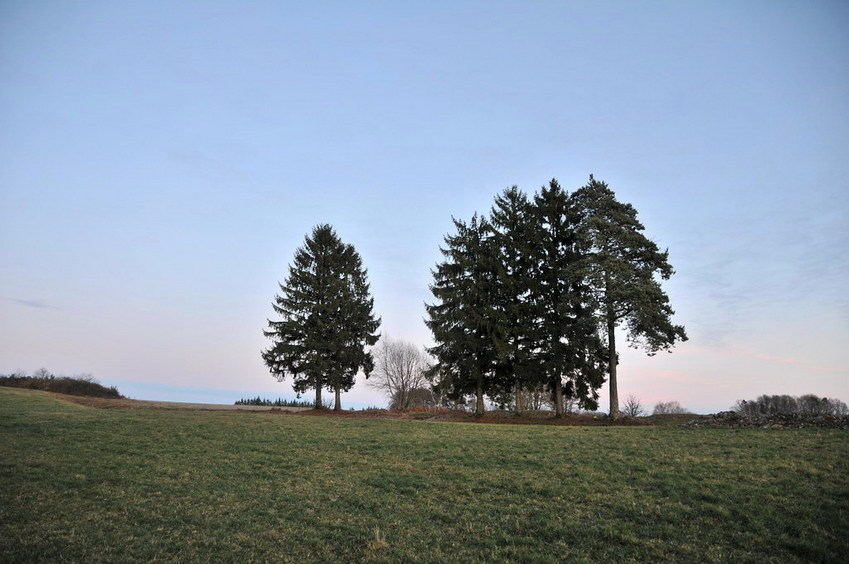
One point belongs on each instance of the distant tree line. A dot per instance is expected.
(42, 379)
(808, 404)
(279, 402)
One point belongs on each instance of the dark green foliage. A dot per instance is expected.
(466, 322)
(531, 297)
(512, 224)
(514, 310)
(279, 402)
(572, 356)
(326, 318)
(71, 385)
(625, 269)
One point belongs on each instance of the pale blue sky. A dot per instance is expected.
(160, 162)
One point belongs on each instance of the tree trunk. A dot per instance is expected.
(479, 408)
(338, 405)
(518, 393)
(318, 404)
(558, 399)
(614, 390)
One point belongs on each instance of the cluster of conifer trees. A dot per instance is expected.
(526, 298)
(530, 296)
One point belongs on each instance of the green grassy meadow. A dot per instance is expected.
(83, 484)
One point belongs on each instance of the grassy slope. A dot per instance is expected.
(85, 484)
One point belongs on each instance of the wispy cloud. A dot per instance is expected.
(779, 359)
(829, 369)
(35, 304)
(757, 268)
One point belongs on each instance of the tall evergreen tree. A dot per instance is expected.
(512, 221)
(466, 323)
(326, 318)
(571, 355)
(625, 268)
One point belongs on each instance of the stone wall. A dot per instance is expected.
(771, 421)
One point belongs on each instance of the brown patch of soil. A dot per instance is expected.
(443, 415)
(490, 417)
(101, 403)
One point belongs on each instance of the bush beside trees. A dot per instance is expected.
(415, 399)
(633, 407)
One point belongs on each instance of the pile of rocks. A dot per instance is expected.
(771, 421)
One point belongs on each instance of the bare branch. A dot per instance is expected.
(399, 370)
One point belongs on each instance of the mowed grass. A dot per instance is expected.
(85, 485)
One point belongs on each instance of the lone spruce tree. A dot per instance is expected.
(326, 318)
(625, 269)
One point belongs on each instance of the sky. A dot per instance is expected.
(160, 163)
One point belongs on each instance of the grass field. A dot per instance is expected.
(83, 484)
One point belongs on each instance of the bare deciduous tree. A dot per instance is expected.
(42, 373)
(399, 369)
(421, 397)
(633, 407)
(808, 404)
(668, 408)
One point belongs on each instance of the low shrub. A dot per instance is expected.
(83, 385)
